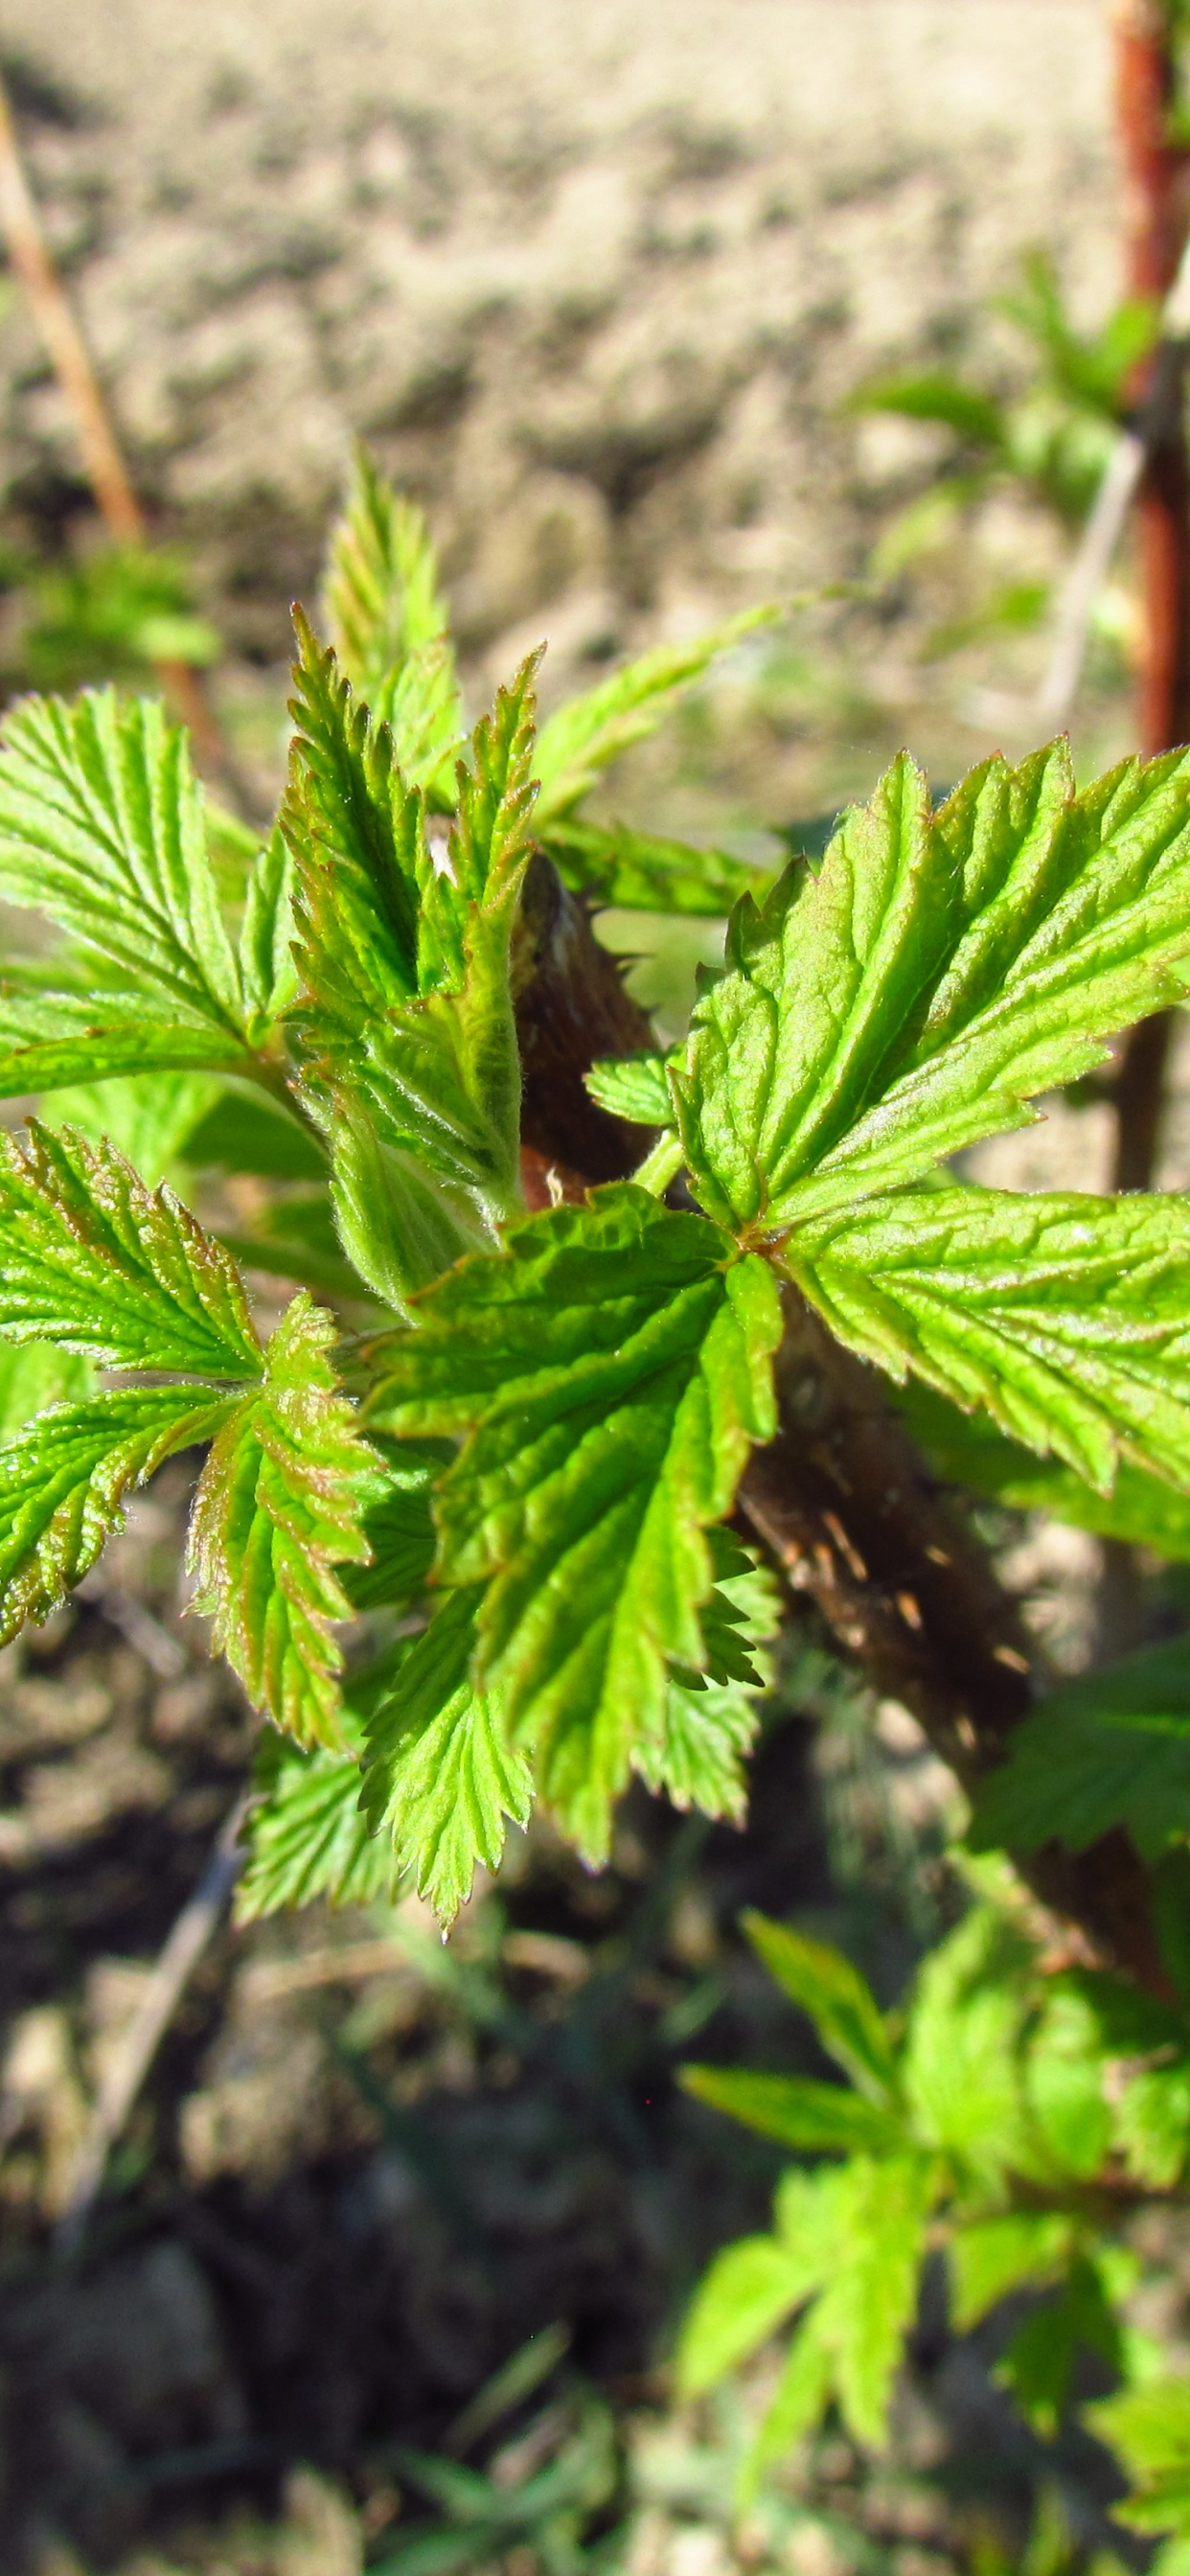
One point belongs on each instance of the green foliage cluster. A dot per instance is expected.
(995, 2118)
(465, 1529)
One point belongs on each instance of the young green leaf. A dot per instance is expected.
(815, 2119)
(967, 1450)
(935, 974)
(1067, 1317)
(308, 1837)
(589, 732)
(960, 2063)
(839, 2002)
(93, 1260)
(405, 963)
(64, 1479)
(280, 1506)
(387, 622)
(441, 1776)
(101, 827)
(633, 1087)
(616, 864)
(1111, 1748)
(612, 1370)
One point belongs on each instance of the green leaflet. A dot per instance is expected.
(441, 1776)
(52, 1040)
(960, 2063)
(279, 1507)
(750, 2290)
(267, 972)
(398, 1526)
(308, 1838)
(867, 2308)
(1153, 2125)
(408, 1018)
(388, 624)
(966, 1449)
(711, 1723)
(64, 1478)
(151, 1123)
(101, 827)
(816, 2119)
(612, 1370)
(839, 2001)
(1150, 2427)
(1112, 1748)
(93, 1260)
(1067, 1317)
(994, 2256)
(933, 975)
(589, 732)
(1040, 2359)
(615, 864)
(34, 1375)
(632, 1086)
(148, 1047)
(700, 1757)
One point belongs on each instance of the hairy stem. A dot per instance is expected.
(846, 1505)
(841, 1498)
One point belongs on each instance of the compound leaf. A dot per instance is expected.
(1112, 1748)
(612, 1370)
(101, 827)
(64, 1479)
(1067, 1317)
(587, 733)
(937, 971)
(92, 1259)
(279, 1507)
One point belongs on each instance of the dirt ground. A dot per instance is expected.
(596, 283)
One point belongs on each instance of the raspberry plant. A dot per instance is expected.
(601, 1358)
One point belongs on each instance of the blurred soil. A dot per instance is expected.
(595, 283)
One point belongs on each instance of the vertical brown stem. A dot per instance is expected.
(1155, 218)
